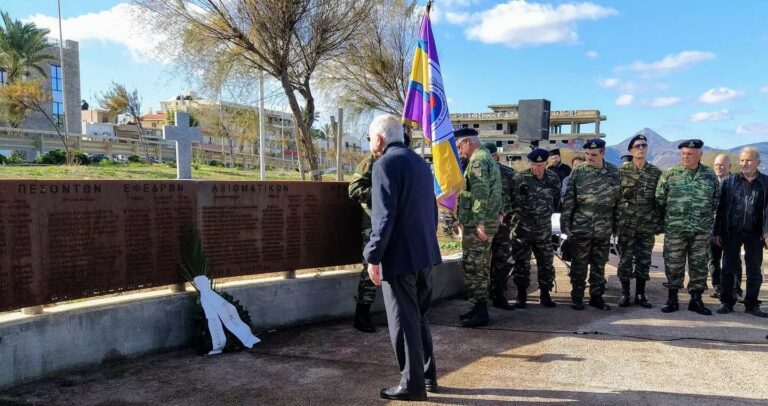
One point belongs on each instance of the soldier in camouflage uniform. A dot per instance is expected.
(588, 218)
(479, 207)
(501, 251)
(360, 191)
(687, 195)
(536, 195)
(638, 221)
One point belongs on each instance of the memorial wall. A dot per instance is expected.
(64, 240)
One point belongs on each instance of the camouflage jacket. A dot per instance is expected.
(591, 202)
(638, 211)
(507, 181)
(480, 202)
(688, 203)
(360, 186)
(533, 201)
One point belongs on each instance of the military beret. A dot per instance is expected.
(538, 155)
(594, 143)
(694, 143)
(555, 151)
(626, 158)
(638, 137)
(464, 132)
(490, 146)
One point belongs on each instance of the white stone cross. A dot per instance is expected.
(184, 135)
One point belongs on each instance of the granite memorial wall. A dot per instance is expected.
(64, 240)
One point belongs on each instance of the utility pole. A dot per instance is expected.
(339, 138)
(262, 158)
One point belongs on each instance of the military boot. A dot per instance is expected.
(479, 318)
(640, 299)
(522, 297)
(598, 302)
(363, 320)
(501, 302)
(468, 315)
(545, 299)
(624, 299)
(672, 304)
(696, 305)
(577, 303)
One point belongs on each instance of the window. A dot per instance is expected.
(475, 125)
(499, 126)
(553, 141)
(465, 126)
(499, 144)
(510, 143)
(57, 95)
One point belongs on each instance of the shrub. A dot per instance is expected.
(134, 159)
(3, 159)
(216, 163)
(81, 158)
(55, 157)
(15, 158)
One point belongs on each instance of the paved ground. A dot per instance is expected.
(532, 356)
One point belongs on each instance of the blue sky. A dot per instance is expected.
(685, 68)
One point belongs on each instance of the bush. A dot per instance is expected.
(15, 158)
(134, 159)
(81, 158)
(216, 163)
(55, 157)
(195, 165)
(3, 159)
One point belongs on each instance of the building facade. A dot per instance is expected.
(53, 85)
(567, 128)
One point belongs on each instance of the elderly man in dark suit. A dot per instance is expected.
(402, 250)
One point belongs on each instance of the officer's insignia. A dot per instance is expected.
(691, 144)
(592, 145)
(539, 159)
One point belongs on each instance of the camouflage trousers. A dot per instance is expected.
(635, 256)
(542, 251)
(592, 253)
(476, 258)
(366, 290)
(690, 247)
(501, 251)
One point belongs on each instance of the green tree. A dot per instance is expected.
(22, 48)
(170, 118)
(118, 100)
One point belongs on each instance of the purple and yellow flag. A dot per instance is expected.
(426, 107)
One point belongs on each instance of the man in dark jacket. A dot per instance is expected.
(402, 250)
(742, 220)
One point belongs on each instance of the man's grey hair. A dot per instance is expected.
(725, 157)
(389, 126)
(474, 139)
(751, 150)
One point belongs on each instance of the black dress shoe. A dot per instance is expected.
(755, 311)
(400, 393)
(431, 385)
(723, 309)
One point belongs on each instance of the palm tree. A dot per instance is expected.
(21, 48)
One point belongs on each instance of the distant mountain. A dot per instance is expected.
(665, 154)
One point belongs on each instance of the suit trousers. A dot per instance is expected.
(407, 299)
(753, 259)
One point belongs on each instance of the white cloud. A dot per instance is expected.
(456, 18)
(664, 101)
(591, 54)
(625, 100)
(118, 25)
(764, 89)
(609, 83)
(720, 95)
(669, 63)
(721, 115)
(753, 129)
(517, 23)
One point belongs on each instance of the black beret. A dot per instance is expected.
(594, 143)
(490, 146)
(538, 155)
(555, 151)
(465, 132)
(637, 137)
(694, 143)
(626, 158)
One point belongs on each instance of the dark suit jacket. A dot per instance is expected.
(404, 214)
